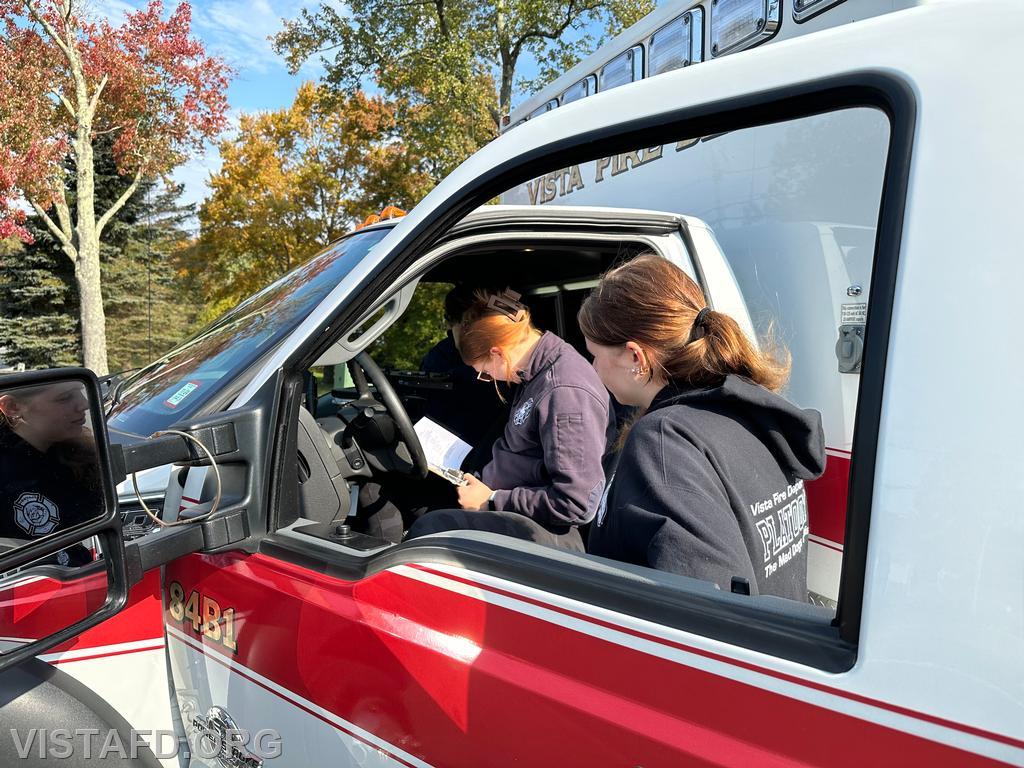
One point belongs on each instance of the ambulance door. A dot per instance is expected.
(478, 649)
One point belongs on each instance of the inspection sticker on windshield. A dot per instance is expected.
(853, 314)
(175, 400)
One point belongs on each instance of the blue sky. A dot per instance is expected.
(238, 31)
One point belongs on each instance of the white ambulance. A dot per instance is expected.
(855, 166)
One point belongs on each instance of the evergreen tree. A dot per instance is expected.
(141, 293)
(144, 297)
(37, 320)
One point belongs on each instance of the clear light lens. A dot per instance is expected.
(734, 23)
(670, 46)
(623, 69)
(585, 87)
(546, 107)
(803, 9)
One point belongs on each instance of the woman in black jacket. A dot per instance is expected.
(49, 469)
(708, 482)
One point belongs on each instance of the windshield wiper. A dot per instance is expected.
(112, 384)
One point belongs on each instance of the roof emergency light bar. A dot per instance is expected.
(668, 39)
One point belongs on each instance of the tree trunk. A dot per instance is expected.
(90, 297)
(87, 265)
(508, 64)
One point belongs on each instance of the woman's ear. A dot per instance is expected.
(636, 353)
(8, 408)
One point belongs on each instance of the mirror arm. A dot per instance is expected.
(163, 546)
(155, 452)
(160, 547)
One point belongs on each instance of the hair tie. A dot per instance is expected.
(699, 328)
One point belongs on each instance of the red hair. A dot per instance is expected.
(486, 326)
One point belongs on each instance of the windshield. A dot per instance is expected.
(180, 383)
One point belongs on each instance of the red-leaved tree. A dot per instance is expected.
(65, 79)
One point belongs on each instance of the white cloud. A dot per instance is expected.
(239, 30)
(113, 11)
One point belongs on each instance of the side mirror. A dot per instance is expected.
(62, 556)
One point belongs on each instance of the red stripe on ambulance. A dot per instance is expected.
(444, 676)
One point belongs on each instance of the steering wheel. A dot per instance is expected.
(362, 368)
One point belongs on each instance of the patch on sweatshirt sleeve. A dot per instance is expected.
(599, 499)
(521, 414)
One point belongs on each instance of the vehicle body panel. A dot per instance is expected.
(954, 674)
(427, 664)
(429, 661)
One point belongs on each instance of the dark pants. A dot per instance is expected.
(508, 523)
(387, 509)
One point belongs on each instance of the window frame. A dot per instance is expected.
(738, 621)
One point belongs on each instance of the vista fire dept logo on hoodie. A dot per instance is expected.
(519, 418)
(35, 514)
(782, 525)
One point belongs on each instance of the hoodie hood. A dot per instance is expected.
(794, 435)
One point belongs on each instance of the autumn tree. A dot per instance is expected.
(64, 80)
(293, 180)
(454, 66)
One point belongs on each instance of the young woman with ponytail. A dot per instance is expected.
(545, 476)
(708, 481)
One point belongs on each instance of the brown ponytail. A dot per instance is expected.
(652, 302)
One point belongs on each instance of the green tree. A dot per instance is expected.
(420, 327)
(148, 308)
(452, 66)
(143, 302)
(38, 326)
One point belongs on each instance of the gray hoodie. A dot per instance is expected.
(547, 465)
(710, 484)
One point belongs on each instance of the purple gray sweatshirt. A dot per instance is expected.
(547, 465)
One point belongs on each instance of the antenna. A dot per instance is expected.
(149, 272)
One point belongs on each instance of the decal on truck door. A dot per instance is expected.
(203, 614)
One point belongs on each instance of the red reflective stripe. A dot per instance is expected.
(742, 664)
(827, 544)
(444, 675)
(140, 619)
(158, 647)
(826, 499)
(214, 657)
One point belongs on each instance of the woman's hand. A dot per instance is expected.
(474, 494)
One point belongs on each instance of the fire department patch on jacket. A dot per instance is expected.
(519, 418)
(35, 514)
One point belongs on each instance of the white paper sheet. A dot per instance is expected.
(442, 448)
